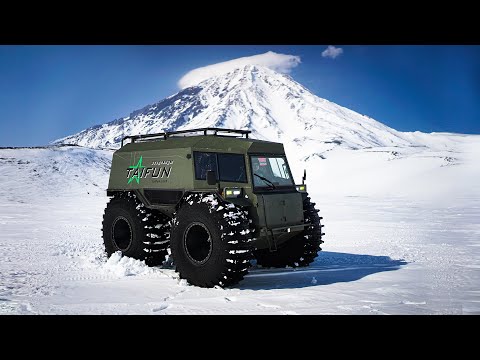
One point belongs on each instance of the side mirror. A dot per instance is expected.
(211, 177)
(304, 176)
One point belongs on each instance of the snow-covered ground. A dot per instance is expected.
(402, 237)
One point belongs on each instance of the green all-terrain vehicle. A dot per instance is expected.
(213, 199)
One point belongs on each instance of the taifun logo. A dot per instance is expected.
(138, 171)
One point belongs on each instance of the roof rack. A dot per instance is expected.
(166, 135)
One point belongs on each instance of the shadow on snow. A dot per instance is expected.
(328, 268)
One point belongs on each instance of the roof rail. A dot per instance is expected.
(206, 131)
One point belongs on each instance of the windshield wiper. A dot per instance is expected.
(266, 180)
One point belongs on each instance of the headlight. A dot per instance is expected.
(301, 188)
(232, 192)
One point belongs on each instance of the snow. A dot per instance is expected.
(402, 237)
(400, 212)
(125, 266)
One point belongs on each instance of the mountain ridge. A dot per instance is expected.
(272, 105)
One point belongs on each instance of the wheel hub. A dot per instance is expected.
(122, 233)
(197, 243)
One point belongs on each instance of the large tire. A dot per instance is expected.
(300, 250)
(210, 241)
(136, 231)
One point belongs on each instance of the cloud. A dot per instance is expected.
(278, 62)
(332, 52)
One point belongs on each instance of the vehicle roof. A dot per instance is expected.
(207, 143)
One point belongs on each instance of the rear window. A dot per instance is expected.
(228, 167)
(204, 162)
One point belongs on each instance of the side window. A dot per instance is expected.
(203, 162)
(232, 167)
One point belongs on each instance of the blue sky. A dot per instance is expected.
(47, 92)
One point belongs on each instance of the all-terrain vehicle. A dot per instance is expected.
(213, 199)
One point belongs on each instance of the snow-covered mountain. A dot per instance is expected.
(54, 171)
(272, 105)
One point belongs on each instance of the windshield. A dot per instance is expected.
(270, 172)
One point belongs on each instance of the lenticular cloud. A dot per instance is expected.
(279, 62)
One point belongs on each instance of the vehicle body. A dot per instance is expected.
(162, 170)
